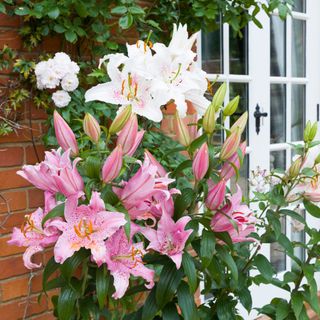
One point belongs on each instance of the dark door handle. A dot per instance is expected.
(258, 114)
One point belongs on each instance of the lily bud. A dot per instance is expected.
(307, 131)
(240, 123)
(112, 165)
(317, 160)
(129, 137)
(295, 167)
(313, 131)
(231, 107)
(200, 163)
(120, 120)
(216, 195)
(64, 134)
(209, 119)
(91, 127)
(218, 98)
(231, 145)
(183, 132)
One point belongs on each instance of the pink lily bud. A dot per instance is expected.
(183, 132)
(112, 165)
(227, 170)
(240, 123)
(216, 195)
(231, 145)
(91, 127)
(200, 163)
(64, 134)
(129, 137)
(160, 169)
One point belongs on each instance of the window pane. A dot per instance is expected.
(240, 89)
(298, 107)
(277, 254)
(299, 5)
(243, 181)
(212, 51)
(278, 113)
(298, 235)
(239, 53)
(298, 48)
(278, 160)
(277, 47)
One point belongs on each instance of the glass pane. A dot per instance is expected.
(243, 181)
(299, 5)
(278, 160)
(212, 51)
(277, 254)
(298, 107)
(277, 47)
(239, 53)
(298, 235)
(298, 48)
(240, 89)
(277, 113)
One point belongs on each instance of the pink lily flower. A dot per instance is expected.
(129, 137)
(124, 258)
(227, 170)
(170, 238)
(239, 214)
(216, 194)
(200, 163)
(87, 227)
(161, 172)
(33, 236)
(112, 165)
(64, 134)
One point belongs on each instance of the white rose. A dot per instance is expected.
(70, 82)
(48, 80)
(73, 67)
(61, 98)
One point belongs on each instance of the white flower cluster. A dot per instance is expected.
(59, 70)
(259, 180)
(151, 76)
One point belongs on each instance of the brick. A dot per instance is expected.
(16, 200)
(13, 266)
(19, 287)
(15, 309)
(23, 135)
(36, 113)
(11, 156)
(9, 180)
(7, 222)
(36, 198)
(45, 316)
(52, 44)
(9, 250)
(31, 157)
(9, 21)
(11, 38)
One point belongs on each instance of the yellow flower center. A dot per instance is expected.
(84, 229)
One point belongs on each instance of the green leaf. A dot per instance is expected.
(282, 310)
(66, 303)
(102, 285)
(136, 10)
(245, 298)
(264, 266)
(72, 263)
(150, 307)
(186, 302)
(125, 22)
(170, 312)
(119, 10)
(196, 144)
(190, 271)
(207, 248)
(71, 36)
(54, 13)
(170, 278)
(57, 211)
(21, 11)
(182, 166)
(293, 215)
(228, 260)
(2, 8)
(92, 167)
(49, 269)
(312, 208)
(296, 303)
(59, 28)
(183, 201)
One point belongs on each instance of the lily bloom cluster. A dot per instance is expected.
(59, 70)
(151, 75)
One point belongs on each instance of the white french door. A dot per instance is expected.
(278, 69)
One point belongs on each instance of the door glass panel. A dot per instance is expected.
(298, 49)
(239, 53)
(298, 235)
(240, 89)
(278, 113)
(212, 51)
(298, 107)
(277, 254)
(299, 6)
(277, 47)
(278, 159)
